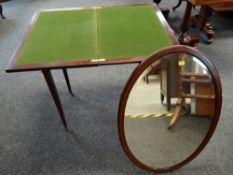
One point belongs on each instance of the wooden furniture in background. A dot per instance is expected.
(178, 5)
(202, 20)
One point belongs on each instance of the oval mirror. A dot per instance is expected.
(169, 109)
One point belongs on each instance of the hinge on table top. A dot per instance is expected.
(98, 60)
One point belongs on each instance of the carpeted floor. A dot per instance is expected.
(32, 138)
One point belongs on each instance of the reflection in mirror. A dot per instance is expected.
(169, 110)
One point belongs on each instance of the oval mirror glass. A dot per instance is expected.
(171, 105)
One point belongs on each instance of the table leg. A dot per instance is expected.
(161, 97)
(67, 81)
(157, 1)
(202, 22)
(165, 11)
(1, 12)
(184, 27)
(53, 90)
(179, 3)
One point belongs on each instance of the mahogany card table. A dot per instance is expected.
(83, 37)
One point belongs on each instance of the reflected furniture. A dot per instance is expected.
(202, 20)
(168, 72)
(196, 84)
(80, 37)
(205, 106)
(153, 72)
(204, 95)
(169, 75)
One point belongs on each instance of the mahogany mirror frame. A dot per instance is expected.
(132, 80)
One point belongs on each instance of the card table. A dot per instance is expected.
(83, 37)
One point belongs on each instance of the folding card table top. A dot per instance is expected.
(78, 37)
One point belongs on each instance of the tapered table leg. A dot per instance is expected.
(67, 81)
(1, 12)
(53, 90)
(178, 5)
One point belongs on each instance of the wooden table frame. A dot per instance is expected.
(46, 68)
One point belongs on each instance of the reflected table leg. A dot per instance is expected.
(53, 90)
(180, 103)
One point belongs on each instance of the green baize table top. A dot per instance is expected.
(93, 34)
